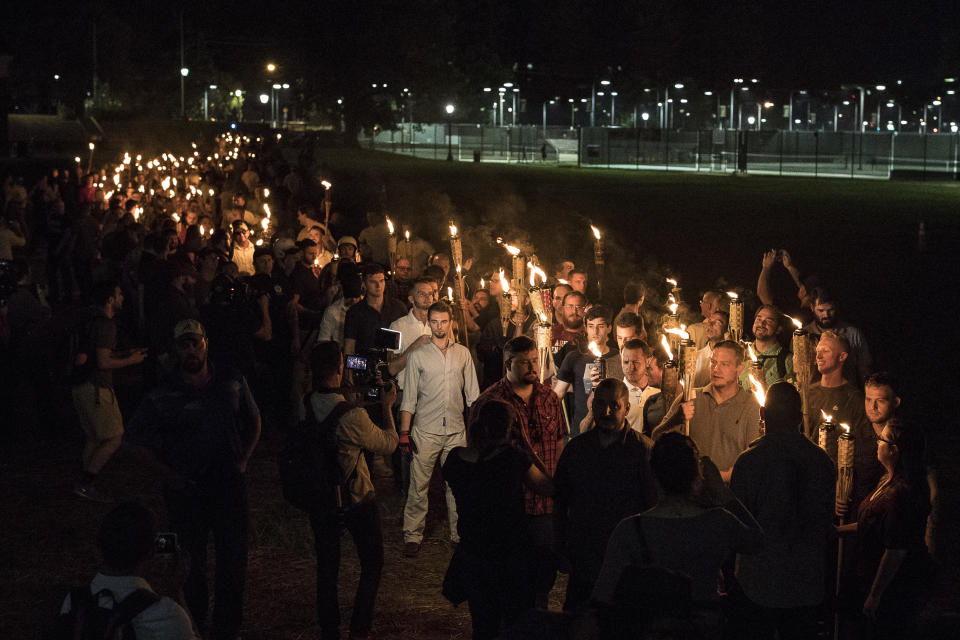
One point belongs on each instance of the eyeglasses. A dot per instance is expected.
(575, 307)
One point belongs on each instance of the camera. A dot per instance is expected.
(166, 543)
(372, 372)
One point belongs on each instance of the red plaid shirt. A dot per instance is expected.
(539, 430)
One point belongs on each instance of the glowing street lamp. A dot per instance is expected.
(449, 109)
(271, 67)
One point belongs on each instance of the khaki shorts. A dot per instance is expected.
(98, 411)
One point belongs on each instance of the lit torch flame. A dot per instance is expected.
(453, 231)
(504, 282)
(390, 225)
(459, 269)
(751, 353)
(482, 285)
(678, 332)
(733, 295)
(266, 192)
(826, 416)
(316, 262)
(326, 185)
(673, 306)
(594, 350)
(450, 293)
(666, 347)
(757, 390)
(266, 209)
(536, 271)
(406, 235)
(176, 217)
(202, 230)
(596, 232)
(512, 250)
(211, 193)
(796, 323)
(845, 427)
(265, 223)
(671, 281)
(543, 317)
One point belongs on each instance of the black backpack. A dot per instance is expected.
(310, 473)
(87, 620)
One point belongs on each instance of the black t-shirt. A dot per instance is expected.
(574, 372)
(103, 333)
(490, 507)
(362, 321)
(309, 287)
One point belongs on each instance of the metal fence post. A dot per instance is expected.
(579, 144)
(816, 154)
(924, 172)
(699, 151)
(666, 150)
(853, 152)
(637, 137)
(780, 135)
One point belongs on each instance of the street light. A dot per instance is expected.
(449, 109)
(184, 72)
(271, 67)
(206, 101)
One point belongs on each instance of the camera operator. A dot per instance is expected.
(356, 433)
(126, 540)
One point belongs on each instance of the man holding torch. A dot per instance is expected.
(576, 370)
(777, 363)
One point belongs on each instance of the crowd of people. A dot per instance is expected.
(189, 303)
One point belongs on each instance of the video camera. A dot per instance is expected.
(372, 372)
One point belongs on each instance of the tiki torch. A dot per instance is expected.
(326, 203)
(670, 386)
(761, 396)
(540, 296)
(391, 244)
(674, 289)
(505, 299)
(826, 435)
(518, 265)
(675, 336)
(406, 246)
(736, 317)
(845, 453)
(543, 344)
(598, 259)
(804, 367)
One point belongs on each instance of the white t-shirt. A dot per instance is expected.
(164, 620)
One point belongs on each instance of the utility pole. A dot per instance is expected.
(95, 92)
(183, 79)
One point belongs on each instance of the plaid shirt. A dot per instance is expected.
(539, 430)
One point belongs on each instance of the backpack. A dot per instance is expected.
(87, 620)
(310, 473)
(76, 357)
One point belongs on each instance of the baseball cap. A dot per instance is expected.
(188, 327)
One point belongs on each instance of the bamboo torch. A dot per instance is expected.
(736, 317)
(827, 435)
(543, 345)
(540, 299)
(756, 367)
(804, 366)
(599, 364)
(670, 386)
(392, 244)
(518, 267)
(760, 394)
(505, 299)
(405, 251)
(674, 289)
(846, 448)
(326, 203)
(598, 259)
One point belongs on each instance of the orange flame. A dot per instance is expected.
(326, 185)
(826, 416)
(596, 232)
(796, 323)
(594, 349)
(757, 390)
(453, 230)
(751, 353)
(678, 332)
(536, 271)
(406, 235)
(672, 281)
(512, 250)
(504, 282)
(845, 427)
(389, 225)
(266, 209)
(666, 346)
(733, 295)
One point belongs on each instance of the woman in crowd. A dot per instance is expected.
(490, 568)
(892, 564)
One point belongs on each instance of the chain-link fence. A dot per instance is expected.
(813, 153)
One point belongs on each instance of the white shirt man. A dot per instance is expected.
(414, 328)
(436, 381)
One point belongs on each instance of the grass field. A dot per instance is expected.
(700, 229)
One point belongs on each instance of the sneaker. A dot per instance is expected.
(92, 493)
(411, 549)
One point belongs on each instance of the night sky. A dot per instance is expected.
(445, 49)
